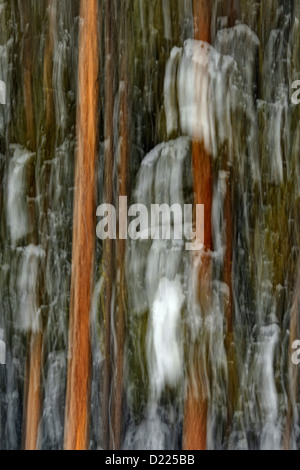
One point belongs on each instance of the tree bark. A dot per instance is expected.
(35, 340)
(34, 393)
(121, 246)
(195, 414)
(28, 59)
(78, 383)
(108, 244)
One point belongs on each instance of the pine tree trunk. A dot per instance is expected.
(195, 414)
(78, 384)
(34, 393)
(108, 249)
(121, 244)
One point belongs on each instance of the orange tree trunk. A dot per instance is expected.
(195, 413)
(33, 393)
(78, 384)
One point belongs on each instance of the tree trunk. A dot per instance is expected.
(108, 244)
(28, 60)
(34, 393)
(195, 415)
(121, 244)
(78, 384)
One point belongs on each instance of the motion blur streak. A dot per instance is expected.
(78, 386)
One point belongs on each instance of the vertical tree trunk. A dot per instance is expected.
(34, 393)
(121, 244)
(108, 244)
(36, 341)
(195, 418)
(202, 20)
(78, 384)
(48, 73)
(195, 415)
(28, 60)
(229, 339)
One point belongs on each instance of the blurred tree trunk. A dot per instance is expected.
(36, 341)
(108, 194)
(195, 415)
(33, 407)
(78, 383)
(28, 59)
(118, 394)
